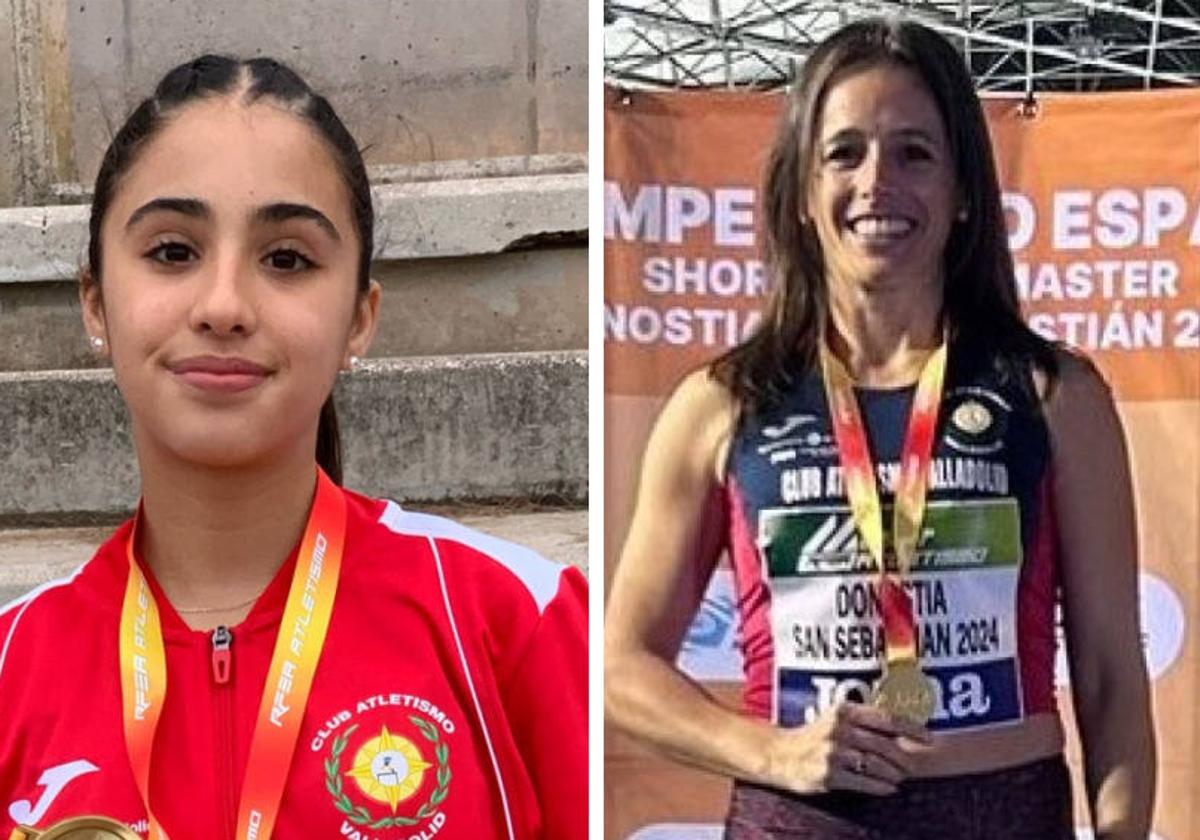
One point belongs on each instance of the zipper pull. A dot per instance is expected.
(222, 658)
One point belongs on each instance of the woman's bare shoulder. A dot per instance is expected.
(1079, 388)
(703, 395)
(701, 415)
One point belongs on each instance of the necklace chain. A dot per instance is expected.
(201, 610)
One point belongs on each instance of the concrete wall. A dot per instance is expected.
(35, 100)
(464, 427)
(10, 115)
(414, 80)
(524, 301)
(468, 427)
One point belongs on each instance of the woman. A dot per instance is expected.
(903, 691)
(260, 653)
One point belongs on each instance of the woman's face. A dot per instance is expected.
(228, 296)
(882, 191)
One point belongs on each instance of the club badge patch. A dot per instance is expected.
(972, 417)
(978, 421)
(390, 770)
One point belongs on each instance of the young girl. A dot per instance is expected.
(260, 653)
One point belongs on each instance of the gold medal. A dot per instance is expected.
(905, 692)
(79, 828)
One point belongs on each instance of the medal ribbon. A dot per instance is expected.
(899, 622)
(289, 680)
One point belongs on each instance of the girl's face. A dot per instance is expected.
(228, 297)
(882, 190)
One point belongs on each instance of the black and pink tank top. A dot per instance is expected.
(986, 574)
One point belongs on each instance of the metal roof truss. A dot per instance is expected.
(1016, 47)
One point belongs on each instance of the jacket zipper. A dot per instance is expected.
(222, 675)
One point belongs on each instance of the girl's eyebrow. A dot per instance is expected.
(193, 207)
(280, 211)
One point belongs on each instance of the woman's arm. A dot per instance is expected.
(1098, 533)
(674, 540)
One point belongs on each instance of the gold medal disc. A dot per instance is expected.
(905, 692)
(80, 828)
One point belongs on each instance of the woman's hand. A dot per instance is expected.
(848, 747)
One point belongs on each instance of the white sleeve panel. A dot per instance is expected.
(539, 575)
(21, 604)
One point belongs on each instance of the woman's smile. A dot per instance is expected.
(880, 232)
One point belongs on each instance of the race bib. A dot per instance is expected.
(826, 625)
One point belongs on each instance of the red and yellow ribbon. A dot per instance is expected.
(899, 622)
(289, 680)
(143, 676)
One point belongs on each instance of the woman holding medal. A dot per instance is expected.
(906, 479)
(260, 653)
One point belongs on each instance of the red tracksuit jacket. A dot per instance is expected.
(462, 652)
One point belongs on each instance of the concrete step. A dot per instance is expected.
(430, 429)
(30, 557)
(476, 257)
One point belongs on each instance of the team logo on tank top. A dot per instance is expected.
(978, 420)
(972, 417)
(387, 766)
(797, 435)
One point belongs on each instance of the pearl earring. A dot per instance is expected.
(355, 362)
(97, 342)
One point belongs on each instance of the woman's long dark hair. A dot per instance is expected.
(212, 76)
(979, 302)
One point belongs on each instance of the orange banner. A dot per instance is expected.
(1102, 200)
